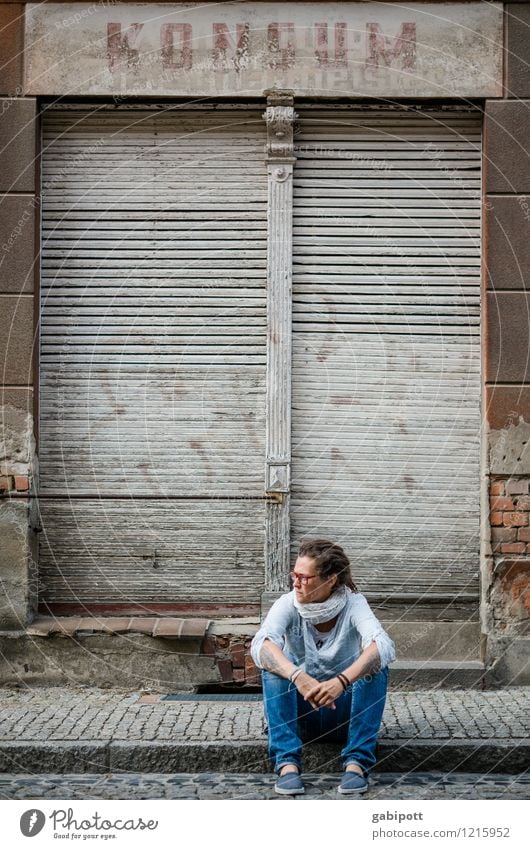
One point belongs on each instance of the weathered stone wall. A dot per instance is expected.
(506, 345)
(507, 353)
(18, 206)
(510, 536)
(232, 658)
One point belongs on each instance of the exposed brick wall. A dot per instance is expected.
(506, 572)
(510, 515)
(509, 591)
(232, 654)
(18, 207)
(13, 483)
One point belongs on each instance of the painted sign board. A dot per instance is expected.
(243, 49)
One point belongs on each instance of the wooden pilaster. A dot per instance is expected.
(280, 161)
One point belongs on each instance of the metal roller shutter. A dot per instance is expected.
(153, 355)
(386, 343)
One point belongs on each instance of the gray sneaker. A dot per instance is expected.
(289, 784)
(353, 784)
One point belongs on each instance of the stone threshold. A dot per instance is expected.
(152, 626)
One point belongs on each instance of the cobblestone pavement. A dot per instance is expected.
(77, 713)
(232, 786)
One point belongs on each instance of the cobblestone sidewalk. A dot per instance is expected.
(252, 786)
(77, 713)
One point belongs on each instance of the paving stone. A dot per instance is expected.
(430, 785)
(62, 716)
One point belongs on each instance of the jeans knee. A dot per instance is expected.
(270, 679)
(274, 686)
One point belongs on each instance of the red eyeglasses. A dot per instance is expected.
(304, 579)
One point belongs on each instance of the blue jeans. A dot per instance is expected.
(355, 722)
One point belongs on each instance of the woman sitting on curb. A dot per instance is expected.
(324, 657)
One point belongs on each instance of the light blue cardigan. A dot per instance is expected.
(355, 629)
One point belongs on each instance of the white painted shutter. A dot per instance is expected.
(386, 347)
(153, 354)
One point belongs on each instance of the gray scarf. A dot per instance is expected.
(323, 611)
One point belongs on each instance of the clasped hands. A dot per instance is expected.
(319, 693)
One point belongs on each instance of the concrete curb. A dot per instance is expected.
(116, 756)
(54, 756)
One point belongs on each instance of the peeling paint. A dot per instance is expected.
(225, 49)
(17, 444)
(509, 449)
(18, 569)
(510, 594)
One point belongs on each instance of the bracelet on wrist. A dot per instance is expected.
(343, 680)
(293, 676)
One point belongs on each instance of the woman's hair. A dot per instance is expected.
(330, 559)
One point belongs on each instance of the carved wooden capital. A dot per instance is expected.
(280, 117)
(278, 476)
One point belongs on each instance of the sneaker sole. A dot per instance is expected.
(357, 792)
(282, 792)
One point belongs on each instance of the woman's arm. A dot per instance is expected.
(273, 660)
(367, 662)
(325, 692)
(370, 630)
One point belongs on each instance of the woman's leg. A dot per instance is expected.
(280, 702)
(368, 696)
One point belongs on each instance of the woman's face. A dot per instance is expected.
(315, 589)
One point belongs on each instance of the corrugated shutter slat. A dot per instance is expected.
(386, 347)
(153, 355)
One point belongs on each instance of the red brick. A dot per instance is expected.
(501, 503)
(523, 502)
(503, 534)
(517, 487)
(5, 484)
(225, 671)
(237, 653)
(497, 488)
(208, 646)
(496, 518)
(239, 675)
(513, 548)
(523, 534)
(252, 673)
(515, 520)
(21, 483)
